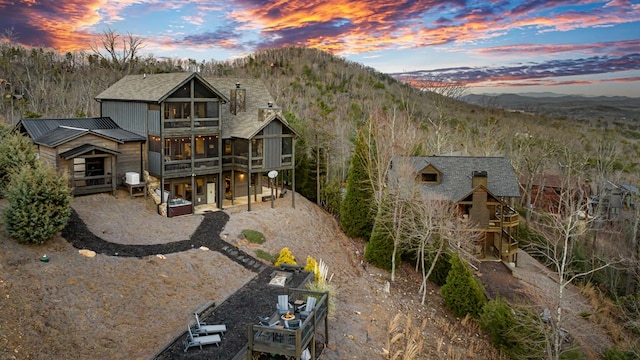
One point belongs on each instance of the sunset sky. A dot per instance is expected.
(585, 47)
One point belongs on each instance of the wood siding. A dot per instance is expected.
(128, 160)
(48, 155)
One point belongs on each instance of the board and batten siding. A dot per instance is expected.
(155, 163)
(154, 122)
(272, 145)
(128, 115)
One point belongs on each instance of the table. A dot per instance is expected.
(297, 304)
(140, 186)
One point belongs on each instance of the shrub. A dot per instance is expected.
(253, 236)
(261, 254)
(312, 266)
(496, 320)
(285, 257)
(515, 331)
(462, 293)
(619, 354)
(39, 204)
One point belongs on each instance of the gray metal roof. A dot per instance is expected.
(53, 132)
(245, 124)
(151, 87)
(456, 175)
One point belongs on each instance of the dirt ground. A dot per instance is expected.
(113, 306)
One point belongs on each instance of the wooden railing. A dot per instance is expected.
(288, 342)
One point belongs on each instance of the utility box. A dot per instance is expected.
(132, 178)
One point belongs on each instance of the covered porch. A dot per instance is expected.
(91, 168)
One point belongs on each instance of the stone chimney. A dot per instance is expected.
(238, 100)
(268, 111)
(479, 178)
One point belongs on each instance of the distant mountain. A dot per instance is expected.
(609, 108)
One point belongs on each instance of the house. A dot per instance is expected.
(94, 152)
(207, 140)
(545, 192)
(484, 189)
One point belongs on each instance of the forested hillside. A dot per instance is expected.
(325, 97)
(335, 104)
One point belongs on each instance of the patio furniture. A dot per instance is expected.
(307, 308)
(203, 328)
(283, 304)
(199, 340)
(292, 324)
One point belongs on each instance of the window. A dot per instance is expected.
(177, 149)
(206, 147)
(154, 144)
(206, 110)
(201, 91)
(177, 115)
(227, 147)
(287, 146)
(183, 92)
(256, 148)
(430, 177)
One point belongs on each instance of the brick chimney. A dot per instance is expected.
(238, 100)
(479, 178)
(268, 111)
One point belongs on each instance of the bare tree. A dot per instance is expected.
(559, 234)
(119, 51)
(442, 95)
(530, 155)
(390, 135)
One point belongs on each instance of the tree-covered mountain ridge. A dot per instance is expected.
(326, 98)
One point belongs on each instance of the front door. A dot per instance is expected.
(211, 193)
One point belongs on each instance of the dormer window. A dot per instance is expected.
(430, 178)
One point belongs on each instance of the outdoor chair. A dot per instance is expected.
(307, 308)
(203, 328)
(283, 304)
(292, 324)
(199, 340)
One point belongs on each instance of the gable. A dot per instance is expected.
(429, 175)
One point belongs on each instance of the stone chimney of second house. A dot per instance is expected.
(268, 111)
(238, 100)
(479, 178)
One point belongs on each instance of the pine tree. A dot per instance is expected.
(355, 209)
(462, 293)
(380, 247)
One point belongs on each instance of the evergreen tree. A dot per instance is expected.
(355, 210)
(15, 151)
(462, 293)
(39, 204)
(305, 183)
(380, 247)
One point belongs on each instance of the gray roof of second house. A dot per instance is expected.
(53, 132)
(244, 124)
(457, 171)
(150, 87)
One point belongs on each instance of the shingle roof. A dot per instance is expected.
(53, 132)
(456, 175)
(149, 88)
(245, 124)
